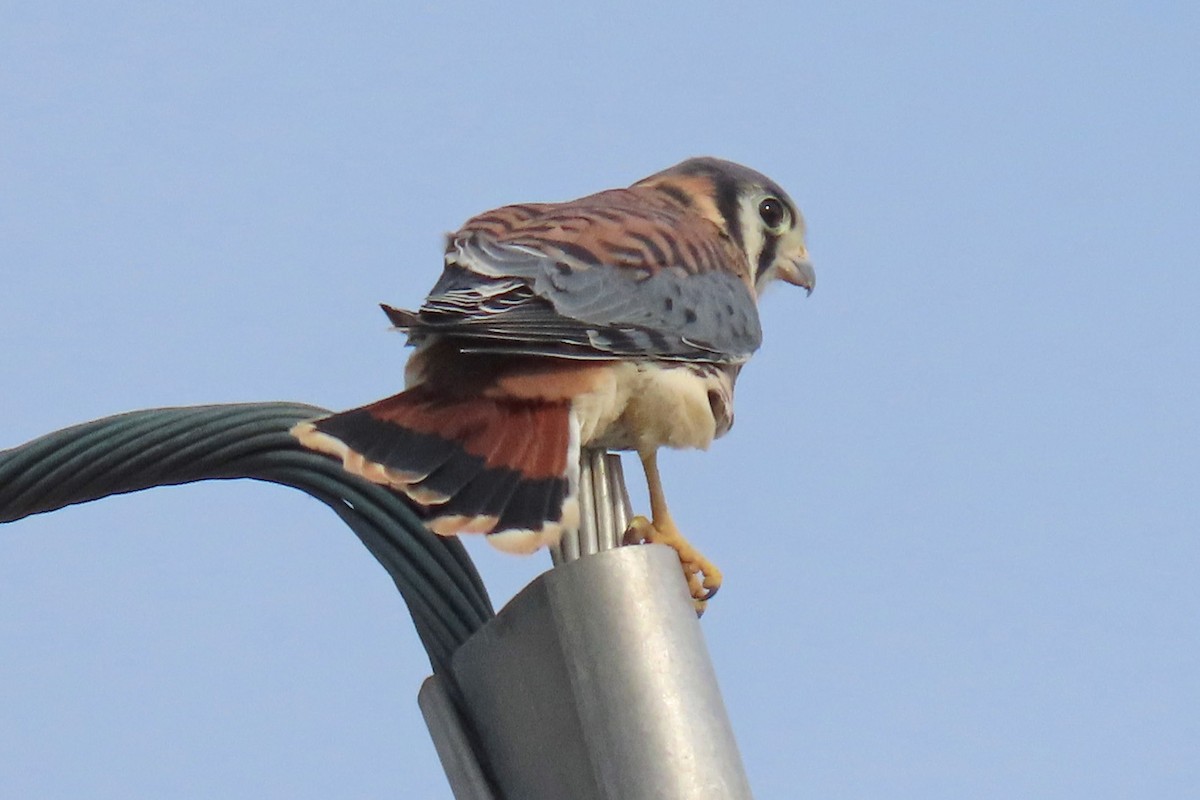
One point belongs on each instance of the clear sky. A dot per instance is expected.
(959, 515)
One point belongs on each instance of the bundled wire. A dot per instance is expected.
(171, 446)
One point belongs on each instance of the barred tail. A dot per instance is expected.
(506, 468)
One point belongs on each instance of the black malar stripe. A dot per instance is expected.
(767, 256)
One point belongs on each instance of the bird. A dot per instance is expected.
(619, 320)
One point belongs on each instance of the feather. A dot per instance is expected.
(479, 464)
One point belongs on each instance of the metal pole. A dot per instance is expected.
(594, 682)
(453, 742)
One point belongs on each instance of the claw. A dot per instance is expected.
(703, 577)
(662, 530)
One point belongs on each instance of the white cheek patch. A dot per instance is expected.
(755, 240)
(753, 237)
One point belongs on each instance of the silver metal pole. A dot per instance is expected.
(604, 509)
(452, 742)
(594, 682)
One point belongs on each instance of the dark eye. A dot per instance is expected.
(773, 213)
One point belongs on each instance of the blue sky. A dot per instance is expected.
(959, 515)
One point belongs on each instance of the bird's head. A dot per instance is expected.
(749, 208)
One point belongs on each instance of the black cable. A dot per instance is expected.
(170, 446)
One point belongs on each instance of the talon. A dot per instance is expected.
(700, 602)
(702, 576)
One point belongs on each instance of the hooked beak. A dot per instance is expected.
(798, 272)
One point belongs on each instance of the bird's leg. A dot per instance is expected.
(703, 577)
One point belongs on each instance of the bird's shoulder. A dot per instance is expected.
(637, 228)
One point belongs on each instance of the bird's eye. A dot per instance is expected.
(773, 213)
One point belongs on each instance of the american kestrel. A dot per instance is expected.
(619, 320)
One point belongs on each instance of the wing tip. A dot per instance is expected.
(401, 318)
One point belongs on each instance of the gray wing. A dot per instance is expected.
(500, 297)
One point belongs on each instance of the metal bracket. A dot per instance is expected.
(593, 683)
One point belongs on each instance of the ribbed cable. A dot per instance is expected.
(170, 446)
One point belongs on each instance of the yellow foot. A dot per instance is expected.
(703, 577)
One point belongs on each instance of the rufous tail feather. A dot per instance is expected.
(506, 468)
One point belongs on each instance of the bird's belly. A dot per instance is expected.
(651, 405)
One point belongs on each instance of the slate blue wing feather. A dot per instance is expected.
(622, 274)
